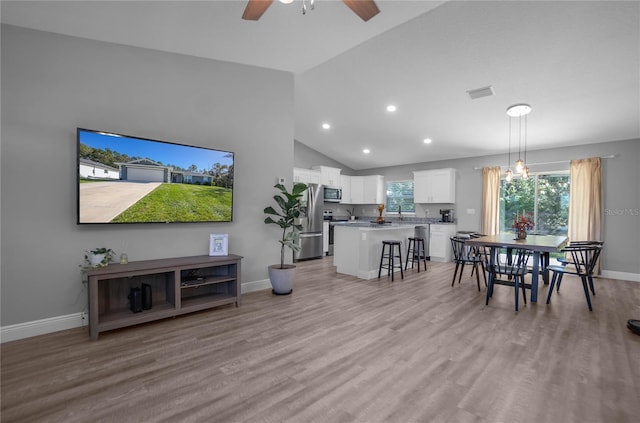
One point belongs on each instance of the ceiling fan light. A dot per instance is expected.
(286, 1)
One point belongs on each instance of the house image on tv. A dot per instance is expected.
(147, 170)
(94, 170)
(144, 170)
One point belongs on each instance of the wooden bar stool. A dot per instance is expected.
(390, 255)
(416, 252)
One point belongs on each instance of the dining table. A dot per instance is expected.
(537, 244)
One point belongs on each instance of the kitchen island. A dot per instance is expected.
(357, 246)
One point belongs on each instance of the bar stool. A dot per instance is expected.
(390, 255)
(416, 252)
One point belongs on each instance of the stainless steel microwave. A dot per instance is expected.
(332, 195)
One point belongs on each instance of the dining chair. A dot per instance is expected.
(465, 254)
(567, 259)
(507, 269)
(582, 264)
(480, 252)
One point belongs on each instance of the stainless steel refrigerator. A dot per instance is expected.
(311, 221)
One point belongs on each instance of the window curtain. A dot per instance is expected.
(491, 200)
(585, 200)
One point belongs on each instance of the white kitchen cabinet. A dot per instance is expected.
(345, 184)
(440, 242)
(329, 176)
(434, 186)
(307, 176)
(374, 189)
(357, 190)
(367, 189)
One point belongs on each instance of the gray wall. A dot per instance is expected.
(306, 157)
(621, 192)
(52, 84)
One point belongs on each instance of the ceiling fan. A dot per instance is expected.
(366, 9)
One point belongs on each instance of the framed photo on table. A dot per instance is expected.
(219, 244)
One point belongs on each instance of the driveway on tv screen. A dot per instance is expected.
(103, 201)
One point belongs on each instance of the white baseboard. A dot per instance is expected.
(54, 324)
(41, 327)
(76, 320)
(623, 276)
(255, 286)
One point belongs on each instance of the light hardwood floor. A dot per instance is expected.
(341, 349)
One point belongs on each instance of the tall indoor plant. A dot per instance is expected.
(289, 209)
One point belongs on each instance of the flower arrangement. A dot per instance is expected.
(521, 223)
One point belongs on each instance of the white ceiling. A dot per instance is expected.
(577, 63)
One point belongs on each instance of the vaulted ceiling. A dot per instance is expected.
(577, 63)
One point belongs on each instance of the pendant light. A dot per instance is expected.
(519, 110)
(525, 169)
(508, 175)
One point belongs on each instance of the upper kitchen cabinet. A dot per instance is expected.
(329, 176)
(434, 186)
(367, 189)
(306, 176)
(345, 184)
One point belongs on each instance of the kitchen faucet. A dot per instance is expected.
(400, 212)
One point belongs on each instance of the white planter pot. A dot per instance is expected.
(96, 259)
(282, 279)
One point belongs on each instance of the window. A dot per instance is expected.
(545, 195)
(400, 197)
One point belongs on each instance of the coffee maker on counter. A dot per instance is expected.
(447, 215)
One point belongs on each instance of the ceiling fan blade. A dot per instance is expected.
(366, 9)
(255, 9)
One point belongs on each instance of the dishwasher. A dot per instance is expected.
(422, 231)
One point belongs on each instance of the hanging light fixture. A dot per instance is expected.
(508, 175)
(525, 168)
(519, 110)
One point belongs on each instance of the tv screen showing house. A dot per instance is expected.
(125, 179)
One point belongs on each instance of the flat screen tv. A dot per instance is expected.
(124, 179)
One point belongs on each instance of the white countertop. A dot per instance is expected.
(376, 226)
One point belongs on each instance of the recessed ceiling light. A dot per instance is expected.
(427, 140)
(366, 151)
(391, 108)
(326, 126)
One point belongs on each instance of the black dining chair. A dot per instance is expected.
(582, 264)
(466, 254)
(567, 259)
(507, 269)
(480, 252)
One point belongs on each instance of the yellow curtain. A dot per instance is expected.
(491, 200)
(585, 201)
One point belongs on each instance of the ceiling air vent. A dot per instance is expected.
(480, 92)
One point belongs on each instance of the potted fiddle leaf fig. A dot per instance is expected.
(288, 210)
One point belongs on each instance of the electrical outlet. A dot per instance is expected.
(471, 211)
(281, 180)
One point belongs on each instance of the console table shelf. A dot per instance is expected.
(178, 285)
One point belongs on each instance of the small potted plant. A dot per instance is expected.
(289, 204)
(521, 223)
(99, 257)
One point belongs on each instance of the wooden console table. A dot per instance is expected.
(179, 285)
